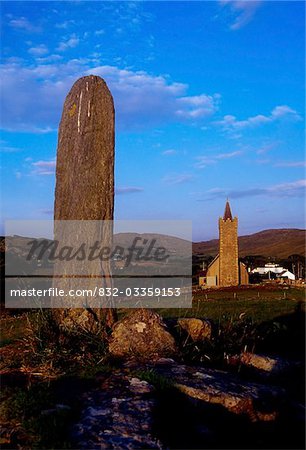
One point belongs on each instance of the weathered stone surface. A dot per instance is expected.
(141, 335)
(85, 155)
(118, 415)
(197, 329)
(200, 405)
(257, 401)
(85, 185)
(140, 386)
(266, 364)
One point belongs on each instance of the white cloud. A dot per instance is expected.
(64, 25)
(99, 32)
(72, 42)
(44, 167)
(198, 106)
(150, 98)
(128, 190)
(40, 50)
(291, 164)
(169, 152)
(265, 148)
(229, 155)
(6, 148)
(290, 189)
(241, 11)
(50, 58)
(22, 23)
(204, 161)
(141, 99)
(177, 178)
(230, 123)
(283, 111)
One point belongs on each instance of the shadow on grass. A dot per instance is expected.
(44, 411)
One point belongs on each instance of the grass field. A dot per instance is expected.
(256, 304)
(264, 319)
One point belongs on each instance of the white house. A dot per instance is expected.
(279, 271)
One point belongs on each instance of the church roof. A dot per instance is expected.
(227, 212)
(214, 260)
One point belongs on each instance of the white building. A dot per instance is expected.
(279, 271)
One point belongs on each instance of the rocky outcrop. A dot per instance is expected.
(257, 401)
(197, 329)
(180, 405)
(118, 415)
(266, 364)
(141, 335)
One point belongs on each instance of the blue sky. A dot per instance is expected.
(209, 100)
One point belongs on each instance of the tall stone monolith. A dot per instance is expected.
(85, 191)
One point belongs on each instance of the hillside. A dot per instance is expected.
(172, 243)
(279, 243)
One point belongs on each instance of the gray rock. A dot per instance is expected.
(141, 335)
(197, 329)
(140, 386)
(266, 364)
(218, 387)
(128, 424)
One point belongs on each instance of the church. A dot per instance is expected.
(225, 269)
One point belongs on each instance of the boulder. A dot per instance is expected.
(197, 329)
(266, 364)
(119, 415)
(256, 401)
(141, 335)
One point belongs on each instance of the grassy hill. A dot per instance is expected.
(279, 243)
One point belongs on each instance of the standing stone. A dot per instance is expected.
(85, 183)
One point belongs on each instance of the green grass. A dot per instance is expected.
(257, 305)
(160, 382)
(267, 320)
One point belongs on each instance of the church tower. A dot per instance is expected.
(228, 249)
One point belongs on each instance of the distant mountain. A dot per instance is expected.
(172, 243)
(279, 243)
